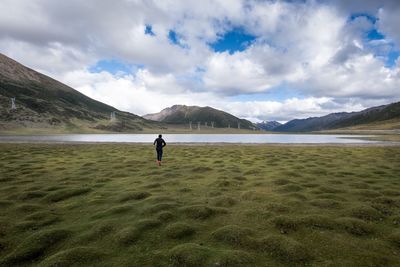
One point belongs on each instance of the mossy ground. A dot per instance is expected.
(229, 205)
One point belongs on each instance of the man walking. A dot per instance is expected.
(159, 143)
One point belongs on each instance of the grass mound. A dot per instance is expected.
(355, 226)
(128, 235)
(277, 207)
(35, 246)
(233, 258)
(253, 195)
(290, 188)
(111, 212)
(152, 185)
(134, 196)
(160, 207)
(37, 220)
(281, 181)
(79, 256)
(64, 194)
(365, 213)
(146, 224)
(367, 193)
(165, 216)
(6, 203)
(284, 249)
(387, 201)
(232, 235)
(201, 169)
(318, 221)
(395, 238)
(27, 208)
(31, 195)
(189, 254)
(224, 201)
(100, 231)
(286, 223)
(201, 212)
(325, 203)
(179, 230)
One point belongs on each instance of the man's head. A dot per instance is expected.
(159, 136)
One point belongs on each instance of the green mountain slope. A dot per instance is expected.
(181, 114)
(44, 103)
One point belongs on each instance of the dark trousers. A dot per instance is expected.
(159, 154)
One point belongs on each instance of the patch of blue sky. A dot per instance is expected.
(371, 18)
(149, 30)
(279, 93)
(114, 67)
(392, 58)
(375, 35)
(174, 38)
(232, 41)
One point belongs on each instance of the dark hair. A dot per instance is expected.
(159, 136)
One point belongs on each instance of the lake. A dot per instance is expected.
(194, 138)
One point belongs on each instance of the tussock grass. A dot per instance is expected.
(189, 254)
(179, 230)
(230, 205)
(79, 256)
(285, 249)
(233, 235)
(224, 201)
(134, 196)
(366, 213)
(201, 212)
(128, 235)
(64, 194)
(355, 226)
(35, 246)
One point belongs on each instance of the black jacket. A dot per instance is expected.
(160, 143)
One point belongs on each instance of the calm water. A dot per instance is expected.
(192, 138)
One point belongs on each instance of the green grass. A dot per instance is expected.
(223, 205)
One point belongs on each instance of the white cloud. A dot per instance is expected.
(389, 21)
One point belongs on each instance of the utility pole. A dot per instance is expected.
(13, 103)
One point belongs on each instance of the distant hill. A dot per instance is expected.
(181, 114)
(268, 125)
(44, 103)
(372, 117)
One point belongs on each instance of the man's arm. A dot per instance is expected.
(154, 142)
(164, 144)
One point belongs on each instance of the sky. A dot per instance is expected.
(260, 60)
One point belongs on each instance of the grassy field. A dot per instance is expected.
(227, 205)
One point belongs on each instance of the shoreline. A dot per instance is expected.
(377, 144)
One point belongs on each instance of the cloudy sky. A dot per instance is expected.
(261, 60)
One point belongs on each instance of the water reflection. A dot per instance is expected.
(193, 138)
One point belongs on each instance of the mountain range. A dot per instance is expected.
(268, 125)
(181, 114)
(381, 117)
